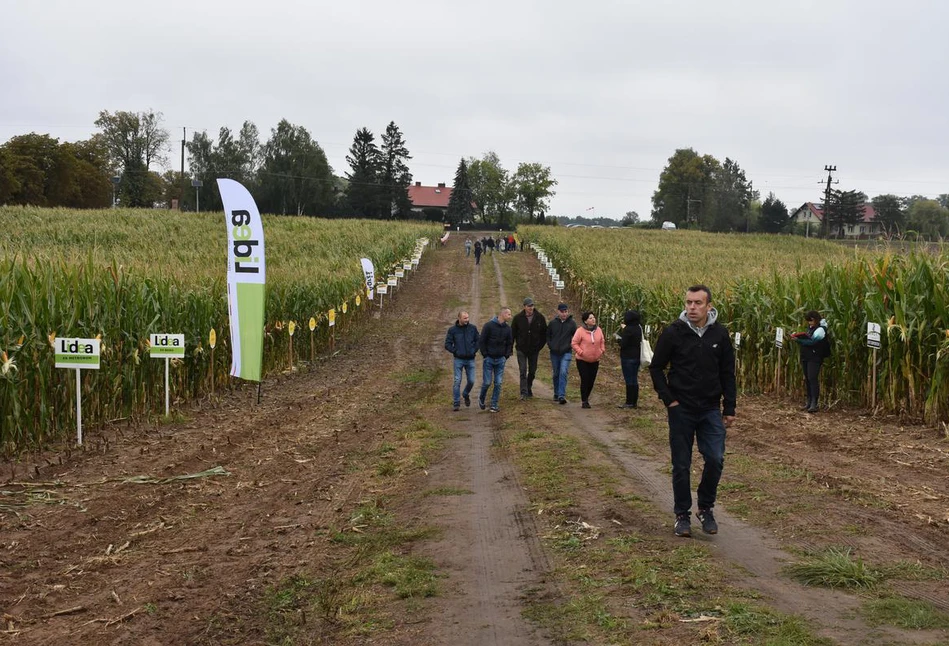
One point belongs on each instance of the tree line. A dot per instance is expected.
(698, 191)
(287, 174)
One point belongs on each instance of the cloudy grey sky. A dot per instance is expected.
(602, 91)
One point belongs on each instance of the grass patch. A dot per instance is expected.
(408, 576)
(584, 617)
(835, 568)
(419, 377)
(448, 491)
(901, 612)
(751, 624)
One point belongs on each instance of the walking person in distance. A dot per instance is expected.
(588, 346)
(700, 396)
(560, 333)
(462, 341)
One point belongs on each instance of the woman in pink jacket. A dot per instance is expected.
(588, 346)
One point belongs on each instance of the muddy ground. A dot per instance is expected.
(110, 544)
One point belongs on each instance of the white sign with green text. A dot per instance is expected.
(167, 347)
(78, 354)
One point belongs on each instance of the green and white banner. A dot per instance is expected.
(246, 279)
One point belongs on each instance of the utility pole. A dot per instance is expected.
(688, 208)
(824, 226)
(184, 135)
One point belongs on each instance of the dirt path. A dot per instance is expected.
(490, 549)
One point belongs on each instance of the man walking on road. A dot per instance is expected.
(700, 396)
(560, 333)
(529, 328)
(496, 345)
(462, 341)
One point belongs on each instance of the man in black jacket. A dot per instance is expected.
(560, 333)
(529, 328)
(496, 346)
(462, 341)
(700, 396)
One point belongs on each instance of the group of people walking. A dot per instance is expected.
(487, 245)
(527, 333)
(692, 372)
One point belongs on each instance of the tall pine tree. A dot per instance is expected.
(363, 191)
(395, 176)
(459, 204)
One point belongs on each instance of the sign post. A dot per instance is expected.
(331, 315)
(312, 327)
(212, 341)
(167, 347)
(873, 341)
(779, 343)
(291, 328)
(79, 354)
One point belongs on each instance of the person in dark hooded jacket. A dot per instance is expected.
(462, 341)
(630, 341)
(700, 395)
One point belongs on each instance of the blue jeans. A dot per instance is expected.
(468, 366)
(707, 429)
(560, 366)
(493, 371)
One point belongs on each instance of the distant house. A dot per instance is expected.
(810, 215)
(428, 198)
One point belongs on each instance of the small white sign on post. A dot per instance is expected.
(392, 281)
(873, 335)
(648, 330)
(78, 354)
(779, 337)
(400, 273)
(559, 285)
(737, 340)
(167, 347)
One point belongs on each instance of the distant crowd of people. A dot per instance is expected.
(487, 245)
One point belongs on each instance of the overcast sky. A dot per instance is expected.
(603, 92)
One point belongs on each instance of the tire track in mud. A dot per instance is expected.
(490, 548)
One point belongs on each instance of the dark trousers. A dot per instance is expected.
(708, 430)
(811, 369)
(587, 372)
(631, 378)
(527, 364)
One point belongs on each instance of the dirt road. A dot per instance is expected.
(353, 506)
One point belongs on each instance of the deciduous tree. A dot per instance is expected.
(889, 213)
(135, 140)
(295, 176)
(532, 186)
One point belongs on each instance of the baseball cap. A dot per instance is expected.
(528, 301)
(563, 307)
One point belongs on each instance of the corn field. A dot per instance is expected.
(763, 282)
(123, 274)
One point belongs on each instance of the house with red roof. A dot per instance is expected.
(810, 215)
(429, 197)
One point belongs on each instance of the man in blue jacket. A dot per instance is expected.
(462, 341)
(496, 346)
(700, 395)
